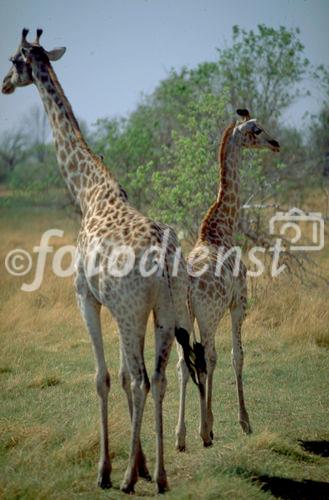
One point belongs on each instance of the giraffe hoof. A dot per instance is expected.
(207, 444)
(127, 488)
(104, 483)
(180, 447)
(143, 473)
(211, 435)
(104, 476)
(246, 427)
(162, 487)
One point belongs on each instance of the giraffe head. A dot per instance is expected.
(20, 74)
(253, 134)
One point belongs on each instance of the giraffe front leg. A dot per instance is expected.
(237, 316)
(184, 320)
(204, 429)
(90, 310)
(206, 420)
(183, 376)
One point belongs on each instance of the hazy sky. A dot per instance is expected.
(119, 49)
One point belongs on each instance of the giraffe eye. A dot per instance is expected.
(14, 61)
(257, 131)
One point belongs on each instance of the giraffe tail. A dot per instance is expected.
(194, 356)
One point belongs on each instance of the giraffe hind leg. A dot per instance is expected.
(183, 376)
(211, 360)
(132, 341)
(143, 472)
(164, 337)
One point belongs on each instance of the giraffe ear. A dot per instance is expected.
(55, 54)
(244, 113)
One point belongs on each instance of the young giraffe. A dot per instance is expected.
(213, 292)
(108, 222)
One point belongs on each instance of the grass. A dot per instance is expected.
(49, 409)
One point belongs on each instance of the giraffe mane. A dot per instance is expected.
(221, 158)
(65, 101)
(70, 115)
(225, 137)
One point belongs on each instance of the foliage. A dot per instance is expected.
(261, 69)
(319, 136)
(12, 151)
(130, 143)
(38, 171)
(186, 183)
(164, 153)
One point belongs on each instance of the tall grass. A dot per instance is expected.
(49, 410)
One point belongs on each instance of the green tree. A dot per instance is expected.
(262, 69)
(187, 181)
(319, 132)
(38, 171)
(12, 152)
(127, 144)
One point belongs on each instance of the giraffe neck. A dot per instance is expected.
(83, 171)
(220, 222)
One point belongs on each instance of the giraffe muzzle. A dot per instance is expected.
(7, 87)
(275, 146)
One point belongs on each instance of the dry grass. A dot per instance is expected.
(49, 414)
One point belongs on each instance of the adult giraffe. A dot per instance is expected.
(218, 288)
(109, 223)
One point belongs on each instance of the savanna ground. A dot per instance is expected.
(49, 408)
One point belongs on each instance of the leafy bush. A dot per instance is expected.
(37, 172)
